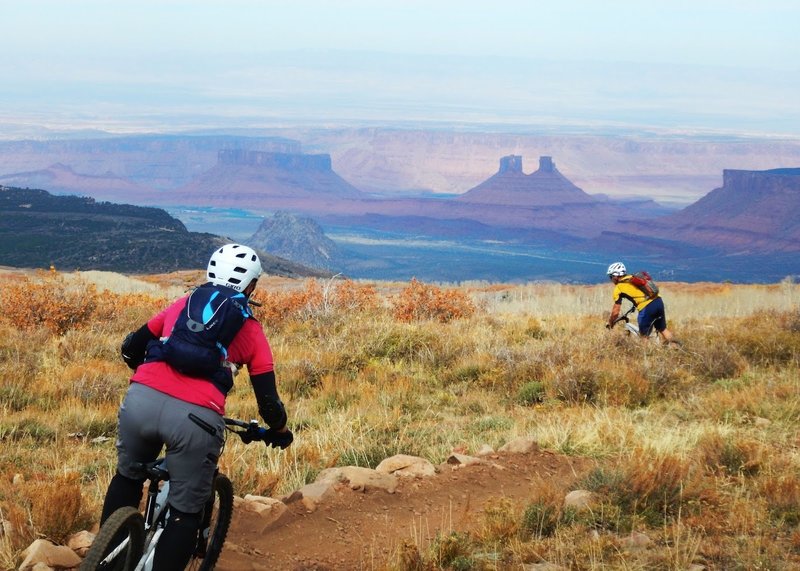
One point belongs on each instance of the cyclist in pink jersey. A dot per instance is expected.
(164, 407)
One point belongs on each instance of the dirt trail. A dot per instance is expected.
(358, 530)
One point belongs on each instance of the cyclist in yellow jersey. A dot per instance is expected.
(651, 310)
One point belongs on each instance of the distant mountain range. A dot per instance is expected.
(753, 214)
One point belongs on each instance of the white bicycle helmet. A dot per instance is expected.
(234, 266)
(617, 269)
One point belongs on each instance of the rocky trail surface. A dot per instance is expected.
(361, 528)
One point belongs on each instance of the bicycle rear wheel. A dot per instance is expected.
(125, 523)
(216, 521)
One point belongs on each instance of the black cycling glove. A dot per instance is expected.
(134, 346)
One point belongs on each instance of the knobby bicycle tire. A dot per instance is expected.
(221, 514)
(124, 522)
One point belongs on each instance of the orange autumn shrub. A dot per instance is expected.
(419, 301)
(279, 307)
(49, 302)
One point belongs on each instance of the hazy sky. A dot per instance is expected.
(729, 65)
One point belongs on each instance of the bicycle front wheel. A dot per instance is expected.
(124, 525)
(216, 521)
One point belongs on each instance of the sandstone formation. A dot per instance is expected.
(512, 187)
(752, 212)
(265, 181)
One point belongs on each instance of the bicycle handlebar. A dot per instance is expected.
(624, 316)
(254, 432)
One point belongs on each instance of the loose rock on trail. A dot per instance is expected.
(361, 529)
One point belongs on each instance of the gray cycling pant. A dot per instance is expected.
(192, 434)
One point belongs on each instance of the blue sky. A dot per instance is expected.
(628, 64)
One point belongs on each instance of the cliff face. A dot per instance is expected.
(265, 180)
(753, 212)
(283, 161)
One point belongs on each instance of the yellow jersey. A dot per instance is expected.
(626, 290)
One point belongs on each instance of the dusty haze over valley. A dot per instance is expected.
(632, 101)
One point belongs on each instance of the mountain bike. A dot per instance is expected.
(633, 329)
(630, 328)
(127, 540)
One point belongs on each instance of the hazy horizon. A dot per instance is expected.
(124, 67)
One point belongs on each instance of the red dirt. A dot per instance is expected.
(358, 530)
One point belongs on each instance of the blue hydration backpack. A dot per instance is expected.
(198, 343)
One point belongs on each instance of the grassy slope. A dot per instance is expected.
(696, 447)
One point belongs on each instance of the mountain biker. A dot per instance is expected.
(165, 407)
(651, 310)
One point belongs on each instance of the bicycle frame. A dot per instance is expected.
(155, 513)
(632, 328)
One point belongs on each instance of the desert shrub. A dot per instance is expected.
(648, 485)
(407, 557)
(534, 329)
(518, 331)
(716, 359)
(15, 397)
(21, 349)
(576, 384)
(56, 509)
(404, 342)
(487, 424)
(87, 344)
(730, 456)
(95, 380)
(278, 307)
(348, 296)
(26, 427)
(452, 551)
(532, 392)
(418, 302)
(624, 387)
(473, 374)
(367, 456)
(250, 476)
(300, 377)
(790, 321)
(539, 520)
(91, 424)
(767, 338)
(126, 311)
(782, 493)
(501, 522)
(48, 302)
(665, 377)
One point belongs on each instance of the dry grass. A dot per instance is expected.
(697, 448)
